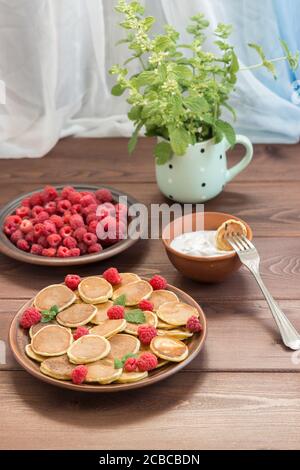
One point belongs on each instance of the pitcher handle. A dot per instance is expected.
(236, 169)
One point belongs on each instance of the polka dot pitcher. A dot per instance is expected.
(202, 172)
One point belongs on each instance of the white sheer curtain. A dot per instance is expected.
(54, 57)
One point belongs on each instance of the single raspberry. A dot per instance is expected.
(80, 331)
(50, 227)
(112, 276)
(66, 217)
(23, 211)
(26, 226)
(54, 240)
(115, 312)
(49, 193)
(130, 364)
(146, 305)
(70, 242)
(30, 237)
(25, 202)
(66, 231)
(89, 238)
(36, 249)
(193, 324)
(79, 374)
(23, 244)
(83, 248)
(72, 281)
(30, 317)
(49, 252)
(9, 228)
(146, 333)
(79, 232)
(42, 240)
(42, 216)
(93, 226)
(36, 210)
(74, 197)
(57, 220)
(63, 205)
(91, 208)
(76, 209)
(76, 221)
(13, 219)
(158, 282)
(17, 235)
(36, 200)
(87, 200)
(50, 207)
(104, 195)
(63, 252)
(66, 191)
(75, 251)
(91, 217)
(95, 248)
(39, 229)
(147, 361)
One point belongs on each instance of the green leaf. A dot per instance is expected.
(162, 43)
(118, 364)
(259, 50)
(134, 138)
(127, 356)
(223, 30)
(148, 22)
(180, 139)
(49, 315)
(162, 152)
(197, 105)
(135, 113)
(293, 60)
(135, 316)
(227, 130)
(121, 300)
(145, 78)
(234, 66)
(117, 90)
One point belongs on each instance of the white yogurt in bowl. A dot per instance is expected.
(200, 243)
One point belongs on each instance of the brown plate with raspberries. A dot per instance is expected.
(62, 225)
(108, 332)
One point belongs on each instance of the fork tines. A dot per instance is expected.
(240, 242)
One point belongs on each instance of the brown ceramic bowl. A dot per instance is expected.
(18, 338)
(200, 268)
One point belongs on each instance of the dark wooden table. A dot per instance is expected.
(243, 391)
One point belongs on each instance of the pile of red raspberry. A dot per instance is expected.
(66, 223)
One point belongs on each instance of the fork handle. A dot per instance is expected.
(289, 334)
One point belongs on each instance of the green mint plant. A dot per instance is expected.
(179, 97)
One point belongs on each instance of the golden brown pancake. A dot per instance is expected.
(151, 319)
(122, 344)
(30, 353)
(53, 340)
(58, 367)
(88, 348)
(168, 348)
(101, 314)
(76, 315)
(57, 294)
(176, 313)
(126, 279)
(103, 372)
(134, 292)
(109, 328)
(161, 296)
(95, 290)
(128, 377)
(163, 325)
(228, 228)
(176, 333)
(38, 326)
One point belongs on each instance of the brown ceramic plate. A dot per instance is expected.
(18, 338)
(9, 249)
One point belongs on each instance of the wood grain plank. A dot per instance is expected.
(280, 261)
(187, 411)
(241, 337)
(270, 209)
(107, 160)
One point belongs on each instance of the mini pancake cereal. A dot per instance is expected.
(161, 296)
(53, 340)
(132, 328)
(134, 292)
(169, 348)
(101, 314)
(58, 367)
(88, 348)
(109, 328)
(76, 315)
(176, 313)
(95, 290)
(57, 294)
(103, 372)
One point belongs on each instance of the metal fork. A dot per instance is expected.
(250, 258)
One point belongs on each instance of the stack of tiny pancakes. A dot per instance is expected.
(53, 346)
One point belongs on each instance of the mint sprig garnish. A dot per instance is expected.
(119, 363)
(135, 316)
(121, 300)
(49, 315)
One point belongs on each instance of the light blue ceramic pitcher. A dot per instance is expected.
(202, 172)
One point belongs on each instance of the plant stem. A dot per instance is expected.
(142, 63)
(257, 66)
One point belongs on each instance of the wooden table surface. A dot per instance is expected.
(242, 391)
